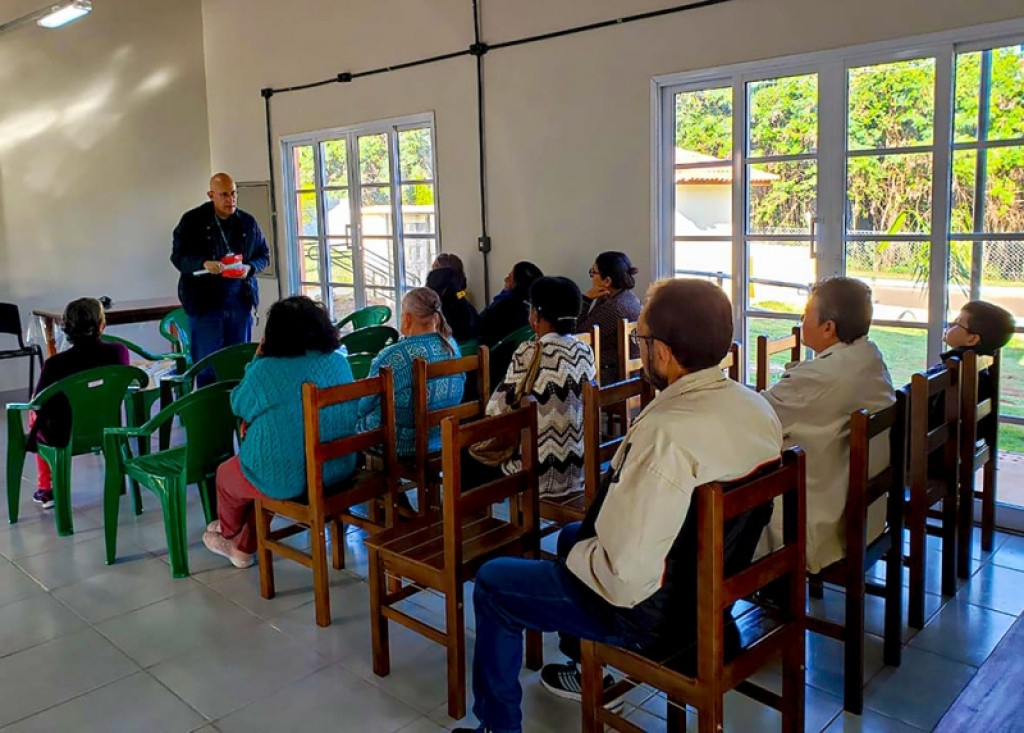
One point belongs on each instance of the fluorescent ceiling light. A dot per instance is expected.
(65, 13)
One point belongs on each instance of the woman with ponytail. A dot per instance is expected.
(426, 335)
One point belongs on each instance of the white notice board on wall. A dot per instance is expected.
(254, 197)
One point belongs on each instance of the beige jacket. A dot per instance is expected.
(814, 400)
(702, 428)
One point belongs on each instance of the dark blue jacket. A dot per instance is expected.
(197, 238)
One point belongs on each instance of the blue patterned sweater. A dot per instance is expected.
(269, 399)
(442, 392)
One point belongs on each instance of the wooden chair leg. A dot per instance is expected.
(815, 588)
(534, 650)
(264, 555)
(893, 643)
(455, 624)
(792, 688)
(381, 648)
(988, 504)
(915, 606)
(591, 674)
(337, 544)
(675, 716)
(965, 525)
(949, 544)
(321, 582)
(853, 647)
(711, 718)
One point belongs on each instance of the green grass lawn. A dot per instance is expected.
(905, 351)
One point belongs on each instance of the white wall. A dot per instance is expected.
(568, 120)
(103, 144)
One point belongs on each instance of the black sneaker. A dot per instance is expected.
(565, 681)
(44, 498)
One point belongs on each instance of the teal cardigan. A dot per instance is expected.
(269, 399)
(442, 392)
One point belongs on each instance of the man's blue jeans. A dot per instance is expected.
(515, 594)
(213, 330)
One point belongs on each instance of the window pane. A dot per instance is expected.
(1006, 118)
(781, 197)
(343, 302)
(302, 167)
(378, 262)
(375, 212)
(966, 96)
(335, 158)
(1000, 274)
(373, 159)
(905, 351)
(704, 122)
(962, 194)
(897, 273)
(772, 328)
(891, 105)
(1011, 384)
(419, 255)
(418, 212)
(1004, 189)
(703, 197)
(340, 253)
(415, 155)
(706, 261)
(311, 290)
(306, 217)
(310, 250)
(889, 194)
(382, 296)
(780, 276)
(783, 116)
(339, 213)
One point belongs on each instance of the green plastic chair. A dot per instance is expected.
(181, 360)
(469, 348)
(96, 397)
(209, 441)
(371, 315)
(369, 340)
(174, 328)
(360, 364)
(226, 364)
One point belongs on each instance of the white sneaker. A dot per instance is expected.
(224, 547)
(214, 526)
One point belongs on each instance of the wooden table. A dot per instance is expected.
(128, 311)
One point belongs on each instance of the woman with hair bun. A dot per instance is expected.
(609, 300)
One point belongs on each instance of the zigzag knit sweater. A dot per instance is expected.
(566, 363)
(269, 399)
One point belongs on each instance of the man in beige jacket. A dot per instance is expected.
(814, 399)
(626, 575)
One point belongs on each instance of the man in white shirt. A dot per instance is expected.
(814, 399)
(626, 575)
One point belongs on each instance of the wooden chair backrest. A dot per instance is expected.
(865, 489)
(979, 416)
(597, 451)
(627, 365)
(318, 451)
(474, 367)
(718, 503)
(767, 348)
(731, 362)
(521, 487)
(592, 338)
(926, 439)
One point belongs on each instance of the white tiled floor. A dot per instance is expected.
(90, 647)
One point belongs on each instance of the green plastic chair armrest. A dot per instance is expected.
(22, 406)
(141, 351)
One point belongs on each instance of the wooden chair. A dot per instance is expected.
(767, 348)
(441, 553)
(597, 452)
(628, 366)
(979, 447)
(704, 671)
(731, 363)
(861, 554)
(332, 506)
(423, 468)
(932, 479)
(592, 338)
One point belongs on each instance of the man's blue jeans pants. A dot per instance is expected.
(515, 594)
(216, 329)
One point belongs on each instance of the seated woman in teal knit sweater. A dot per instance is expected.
(299, 345)
(426, 336)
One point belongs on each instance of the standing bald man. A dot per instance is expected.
(219, 306)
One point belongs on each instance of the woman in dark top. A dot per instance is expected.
(450, 286)
(609, 300)
(507, 312)
(83, 323)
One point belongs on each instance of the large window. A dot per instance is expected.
(362, 212)
(901, 164)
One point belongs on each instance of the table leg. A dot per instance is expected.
(48, 333)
